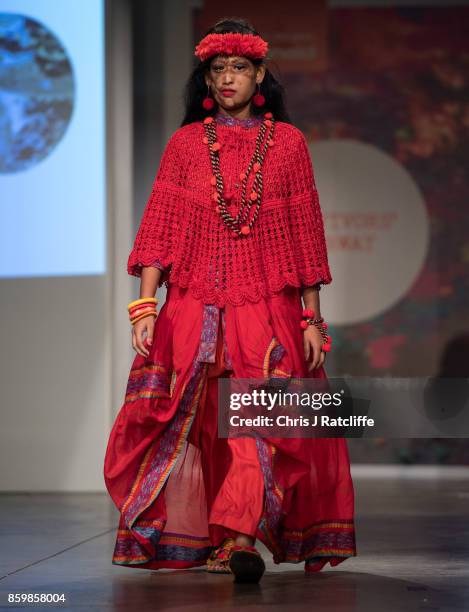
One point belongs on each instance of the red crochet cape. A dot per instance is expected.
(182, 230)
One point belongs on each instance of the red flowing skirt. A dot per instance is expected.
(179, 488)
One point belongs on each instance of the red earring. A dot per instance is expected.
(208, 102)
(258, 99)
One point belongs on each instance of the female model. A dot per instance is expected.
(233, 227)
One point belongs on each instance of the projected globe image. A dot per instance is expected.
(36, 92)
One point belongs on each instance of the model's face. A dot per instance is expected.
(233, 80)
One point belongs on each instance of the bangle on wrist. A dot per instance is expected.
(143, 307)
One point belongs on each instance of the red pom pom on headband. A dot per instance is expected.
(231, 43)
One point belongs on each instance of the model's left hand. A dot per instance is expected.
(312, 341)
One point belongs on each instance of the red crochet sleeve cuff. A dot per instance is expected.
(156, 238)
(306, 221)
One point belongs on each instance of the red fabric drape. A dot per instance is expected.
(179, 488)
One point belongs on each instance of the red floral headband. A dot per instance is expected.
(231, 43)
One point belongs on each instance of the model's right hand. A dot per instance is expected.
(147, 324)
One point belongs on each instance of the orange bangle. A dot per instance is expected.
(142, 301)
(143, 305)
(145, 314)
(139, 311)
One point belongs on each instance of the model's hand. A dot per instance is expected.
(312, 341)
(147, 324)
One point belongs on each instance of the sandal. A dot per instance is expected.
(219, 558)
(246, 564)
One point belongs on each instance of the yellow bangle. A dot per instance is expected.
(142, 301)
(146, 314)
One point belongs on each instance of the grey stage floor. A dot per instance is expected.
(412, 540)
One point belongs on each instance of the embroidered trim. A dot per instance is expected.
(273, 502)
(227, 358)
(274, 353)
(148, 381)
(172, 547)
(249, 122)
(208, 336)
(149, 482)
(326, 538)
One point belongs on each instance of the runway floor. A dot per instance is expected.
(412, 541)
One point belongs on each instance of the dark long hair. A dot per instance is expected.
(196, 89)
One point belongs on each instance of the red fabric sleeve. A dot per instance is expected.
(305, 218)
(156, 238)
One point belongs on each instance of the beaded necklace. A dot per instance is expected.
(242, 223)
